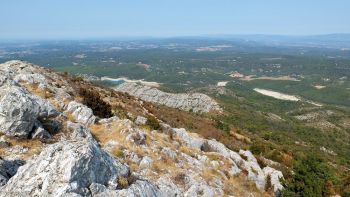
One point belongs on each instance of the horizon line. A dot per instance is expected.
(140, 37)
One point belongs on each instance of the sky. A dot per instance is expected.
(61, 19)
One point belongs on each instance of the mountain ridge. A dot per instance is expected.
(59, 147)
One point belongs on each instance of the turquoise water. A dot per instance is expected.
(114, 81)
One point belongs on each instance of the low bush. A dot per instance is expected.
(311, 178)
(94, 101)
(123, 182)
(153, 123)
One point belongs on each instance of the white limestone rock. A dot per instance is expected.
(168, 188)
(140, 188)
(198, 187)
(81, 113)
(132, 156)
(191, 141)
(32, 78)
(195, 102)
(108, 120)
(215, 146)
(169, 152)
(66, 167)
(146, 162)
(140, 120)
(275, 177)
(137, 136)
(255, 173)
(20, 110)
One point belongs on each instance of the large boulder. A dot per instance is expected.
(32, 78)
(20, 110)
(81, 113)
(191, 141)
(140, 120)
(255, 173)
(275, 177)
(66, 167)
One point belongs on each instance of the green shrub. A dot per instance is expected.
(77, 79)
(152, 122)
(93, 100)
(221, 125)
(346, 194)
(311, 178)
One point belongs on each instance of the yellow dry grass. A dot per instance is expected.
(34, 89)
(214, 156)
(70, 116)
(162, 164)
(240, 186)
(104, 133)
(34, 146)
(188, 150)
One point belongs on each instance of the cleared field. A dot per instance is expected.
(277, 95)
(124, 79)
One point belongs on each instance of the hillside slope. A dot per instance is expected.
(61, 136)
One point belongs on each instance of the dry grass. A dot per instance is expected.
(103, 134)
(70, 116)
(214, 156)
(2, 152)
(118, 131)
(122, 182)
(164, 164)
(189, 151)
(240, 186)
(34, 146)
(34, 89)
(118, 152)
(209, 174)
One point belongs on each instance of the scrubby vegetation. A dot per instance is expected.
(311, 177)
(93, 100)
(152, 122)
(184, 69)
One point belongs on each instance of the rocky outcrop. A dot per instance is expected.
(66, 167)
(140, 120)
(275, 177)
(81, 113)
(191, 141)
(195, 102)
(244, 160)
(20, 110)
(164, 162)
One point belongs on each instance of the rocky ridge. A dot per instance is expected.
(195, 102)
(89, 156)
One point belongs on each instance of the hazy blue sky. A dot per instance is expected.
(114, 18)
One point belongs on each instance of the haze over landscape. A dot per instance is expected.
(175, 98)
(88, 19)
